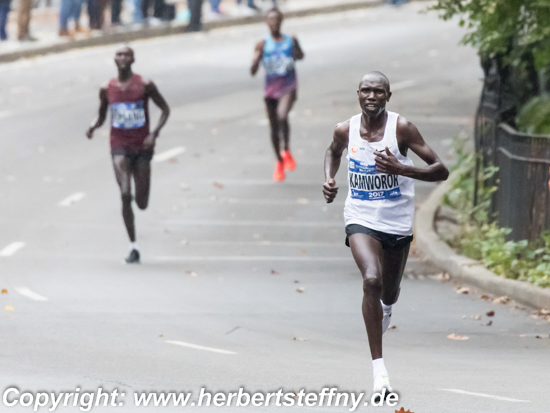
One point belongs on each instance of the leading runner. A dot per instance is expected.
(132, 144)
(278, 52)
(379, 207)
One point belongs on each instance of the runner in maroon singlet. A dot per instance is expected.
(132, 143)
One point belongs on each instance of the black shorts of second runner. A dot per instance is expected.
(134, 154)
(387, 240)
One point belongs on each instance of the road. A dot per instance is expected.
(232, 261)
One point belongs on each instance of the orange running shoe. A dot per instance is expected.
(279, 174)
(288, 160)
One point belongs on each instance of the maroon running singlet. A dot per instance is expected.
(129, 116)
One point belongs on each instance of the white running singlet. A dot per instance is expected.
(383, 202)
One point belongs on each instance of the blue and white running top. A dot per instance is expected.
(280, 72)
(376, 200)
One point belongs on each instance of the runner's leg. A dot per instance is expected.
(271, 107)
(367, 253)
(123, 173)
(283, 109)
(393, 265)
(142, 182)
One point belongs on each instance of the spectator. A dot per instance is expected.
(24, 20)
(158, 9)
(138, 13)
(116, 8)
(250, 4)
(4, 11)
(69, 9)
(215, 6)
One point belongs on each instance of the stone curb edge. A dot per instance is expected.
(125, 37)
(466, 269)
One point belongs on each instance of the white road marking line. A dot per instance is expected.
(506, 399)
(251, 258)
(197, 347)
(170, 153)
(24, 291)
(403, 85)
(219, 223)
(71, 199)
(11, 249)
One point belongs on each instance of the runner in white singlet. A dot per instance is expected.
(379, 208)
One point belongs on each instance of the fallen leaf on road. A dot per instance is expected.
(455, 337)
(501, 300)
(218, 185)
(490, 323)
(484, 297)
(9, 308)
(274, 272)
(543, 311)
(191, 273)
(300, 339)
(4, 291)
(303, 201)
(303, 251)
(161, 335)
(477, 317)
(463, 290)
(173, 160)
(296, 282)
(392, 328)
(490, 313)
(300, 290)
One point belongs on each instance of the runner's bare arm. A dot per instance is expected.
(333, 157)
(258, 54)
(298, 52)
(408, 136)
(103, 106)
(152, 91)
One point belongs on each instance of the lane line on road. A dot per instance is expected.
(489, 396)
(11, 249)
(170, 153)
(403, 85)
(24, 291)
(71, 199)
(197, 347)
(220, 223)
(251, 258)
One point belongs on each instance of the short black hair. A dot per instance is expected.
(380, 74)
(276, 10)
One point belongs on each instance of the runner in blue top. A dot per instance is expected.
(278, 52)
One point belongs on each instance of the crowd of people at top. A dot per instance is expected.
(71, 10)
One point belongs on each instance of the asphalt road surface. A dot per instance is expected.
(231, 260)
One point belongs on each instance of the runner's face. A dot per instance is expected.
(373, 95)
(124, 58)
(274, 21)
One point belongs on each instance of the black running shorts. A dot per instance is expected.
(387, 240)
(134, 154)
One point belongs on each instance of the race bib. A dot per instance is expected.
(368, 185)
(127, 115)
(278, 64)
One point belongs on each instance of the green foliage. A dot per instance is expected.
(534, 117)
(506, 27)
(481, 239)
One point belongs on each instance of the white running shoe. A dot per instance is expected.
(381, 382)
(386, 320)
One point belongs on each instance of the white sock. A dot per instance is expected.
(134, 246)
(385, 308)
(378, 368)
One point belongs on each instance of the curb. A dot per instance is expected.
(466, 269)
(149, 33)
